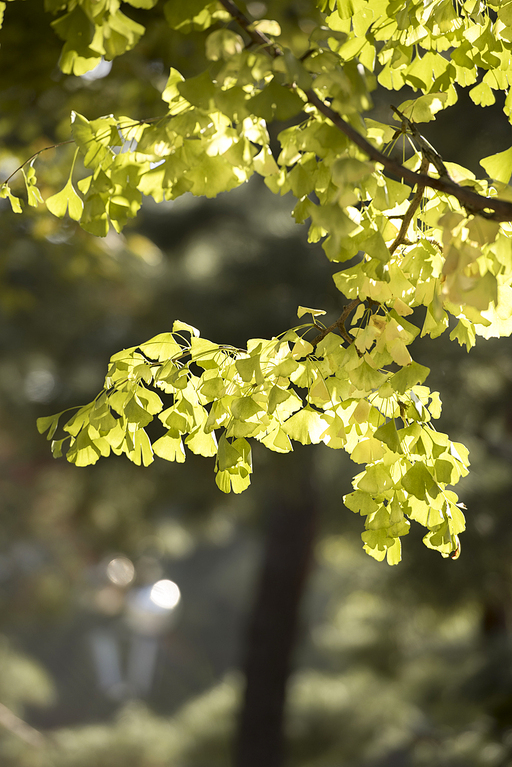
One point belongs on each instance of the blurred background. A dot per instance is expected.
(125, 591)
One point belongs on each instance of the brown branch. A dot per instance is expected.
(339, 324)
(473, 202)
(488, 207)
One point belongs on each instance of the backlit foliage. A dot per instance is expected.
(426, 240)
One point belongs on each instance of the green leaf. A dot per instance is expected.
(179, 325)
(374, 480)
(418, 480)
(201, 443)
(366, 378)
(5, 192)
(142, 3)
(267, 27)
(482, 95)
(408, 377)
(464, 333)
(222, 44)
(199, 91)
(360, 503)
(306, 426)
(277, 440)
(302, 310)
(56, 447)
(161, 347)
(499, 166)
(67, 200)
(275, 102)
(84, 452)
(250, 369)
(75, 28)
(186, 15)
(33, 193)
(367, 451)
(170, 447)
(424, 108)
(136, 414)
(49, 424)
(388, 434)
(376, 247)
(244, 408)
(171, 90)
(228, 455)
(348, 170)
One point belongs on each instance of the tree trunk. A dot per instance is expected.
(274, 621)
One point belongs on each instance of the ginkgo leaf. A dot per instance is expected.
(418, 480)
(499, 166)
(424, 108)
(275, 102)
(302, 310)
(375, 480)
(306, 426)
(388, 434)
(49, 423)
(180, 325)
(367, 451)
(268, 27)
(408, 376)
(366, 378)
(170, 447)
(223, 43)
(5, 192)
(161, 347)
(360, 502)
(67, 200)
(228, 455)
(201, 443)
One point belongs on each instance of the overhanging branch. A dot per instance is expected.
(489, 207)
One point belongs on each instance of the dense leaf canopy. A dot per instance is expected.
(421, 239)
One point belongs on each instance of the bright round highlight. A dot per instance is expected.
(165, 594)
(121, 571)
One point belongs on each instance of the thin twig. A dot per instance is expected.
(339, 324)
(72, 141)
(36, 154)
(428, 151)
(411, 210)
(488, 207)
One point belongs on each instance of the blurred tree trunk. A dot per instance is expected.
(273, 625)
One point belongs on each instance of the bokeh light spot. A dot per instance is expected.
(165, 594)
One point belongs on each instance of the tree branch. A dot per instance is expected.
(339, 324)
(411, 210)
(488, 207)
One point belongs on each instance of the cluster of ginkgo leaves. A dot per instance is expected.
(412, 245)
(278, 391)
